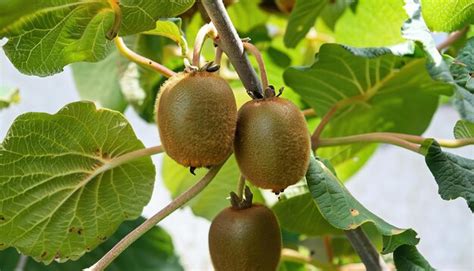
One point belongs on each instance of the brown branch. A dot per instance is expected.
(452, 38)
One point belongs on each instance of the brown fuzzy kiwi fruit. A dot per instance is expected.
(245, 239)
(285, 6)
(272, 144)
(196, 117)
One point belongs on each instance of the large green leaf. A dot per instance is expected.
(373, 23)
(415, 29)
(408, 258)
(344, 212)
(8, 96)
(462, 68)
(301, 19)
(447, 15)
(153, 251)
(60, 193)
(385, 93)
(45, 36)
(99, 82)
(454, 174)
(464, 129)
(215, 197)
(300, 214)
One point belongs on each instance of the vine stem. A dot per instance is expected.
(324, 121)
(366, 250)
(291, 255)
(452, 38)
(402, 140)
(232, 45)
(309, 112)
(261, 64)
(241, 186)
(141, 60)
(152, 221)
(204, 31)
(374, 137)
(113, 32)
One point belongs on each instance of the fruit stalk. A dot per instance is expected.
(152, 221)
(231, 44)
(141, 60)
(207, 29)
(261, 65)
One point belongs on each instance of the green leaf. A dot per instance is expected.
(344, 212)
(301, 215)
(8, 96)
(99, 82)
(246, 15)
(60, 195)
(302, 18)
(45, 36)
(215, 197)
(462, 68)
(171, 29)
(139, 16)
(447, 15)
(454, 174)
(386, 93)
(153, 251)
(408, 258)
(374, 23)
(464, 129)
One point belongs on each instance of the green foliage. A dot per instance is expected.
(170, 29)
(104, 89)
(462, 67)
(153, 251)
(60, 195)
(372, 23)
(454, 174)
(300, 214)
(344, 212)
(215, 197)
(448, 15)
(8, 96)
(464, 129)
(45, 36)
(408, 258)
(302, 18)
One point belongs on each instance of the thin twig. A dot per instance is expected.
(402, 140)
(328, 247)
(261, 64)
(452, 38)
(309, 112)
(20, 266)
(218, 57)
(204, 31)
(232, 45)
(367, 252)
(291, 255)
(241, 186)
(182, 199)
(141, 60)
(324, 121)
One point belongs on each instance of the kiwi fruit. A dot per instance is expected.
(245, 238)
(196, 114)
(272, 144)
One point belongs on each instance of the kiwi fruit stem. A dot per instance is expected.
(240, 203)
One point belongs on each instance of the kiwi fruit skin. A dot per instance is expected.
(272, 143)
(247, 239)
(196, 114)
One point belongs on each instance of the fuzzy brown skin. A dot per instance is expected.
(247, 239)
(272, 144)
(196, 115)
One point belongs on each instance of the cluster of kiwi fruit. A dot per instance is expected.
(200, 126)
